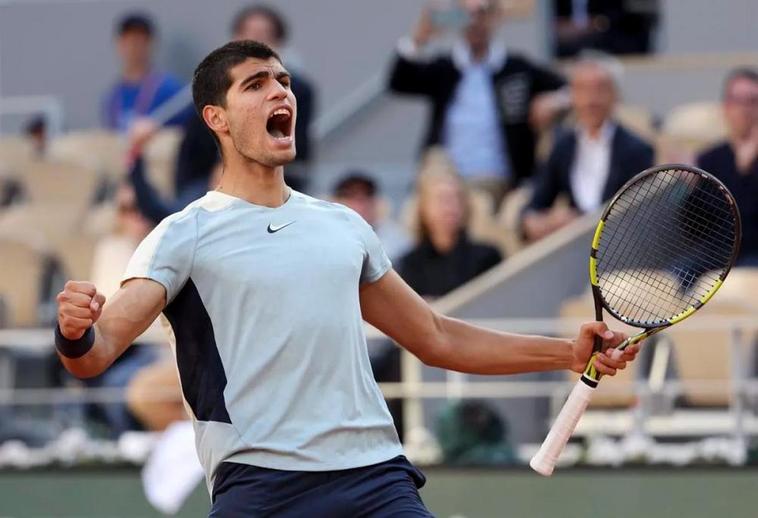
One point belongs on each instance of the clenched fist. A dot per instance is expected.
(79, 307)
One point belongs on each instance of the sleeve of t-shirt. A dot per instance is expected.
(166, 254)
(375, 260)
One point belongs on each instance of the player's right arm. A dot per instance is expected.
(115, 325)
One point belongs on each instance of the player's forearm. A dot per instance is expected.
(123, 319)
(95, 361)
(467, 348)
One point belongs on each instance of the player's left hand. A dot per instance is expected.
(604, 362)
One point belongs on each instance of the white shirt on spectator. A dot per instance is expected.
(592, 162)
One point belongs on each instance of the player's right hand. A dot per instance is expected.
(79, 307)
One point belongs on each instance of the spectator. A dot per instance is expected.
(612, 26)
(444, 257)
(589, 163)
(154, 395)
(482, 97)
(11, 188)
(358, 191)
(36, 132)
(735, 161)
(154, 207)
(197, 158)
(140, 89)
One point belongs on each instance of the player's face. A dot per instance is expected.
(261, 111)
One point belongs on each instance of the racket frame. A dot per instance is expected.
(591, 376)
(545, 459)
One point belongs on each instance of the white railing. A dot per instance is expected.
(414, 390)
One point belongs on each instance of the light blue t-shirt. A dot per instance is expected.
(264, 308)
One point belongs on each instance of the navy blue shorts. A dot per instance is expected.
(388, 489)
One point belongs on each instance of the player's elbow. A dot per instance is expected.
(433, 347)
(83, 368)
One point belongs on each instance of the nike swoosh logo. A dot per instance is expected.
(276, 228)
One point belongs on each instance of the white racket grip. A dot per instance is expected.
(544, 460)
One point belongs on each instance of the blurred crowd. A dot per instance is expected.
(513, 150)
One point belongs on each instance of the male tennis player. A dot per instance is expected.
(265, 289)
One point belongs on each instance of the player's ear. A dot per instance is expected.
(215, 118)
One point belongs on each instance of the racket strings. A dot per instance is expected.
(668, 297)
(686, 246)
(667, 241)
(666, 287)
(656, 224)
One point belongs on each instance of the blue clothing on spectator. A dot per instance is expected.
(126, 100)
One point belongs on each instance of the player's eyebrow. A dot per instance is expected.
(263, 74)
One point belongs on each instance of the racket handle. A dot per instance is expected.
(544, 460)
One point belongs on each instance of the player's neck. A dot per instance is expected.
(255, 183)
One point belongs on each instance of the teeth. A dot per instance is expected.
(280, 111)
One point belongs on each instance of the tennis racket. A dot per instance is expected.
(663, 247)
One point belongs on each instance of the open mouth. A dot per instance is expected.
(279, 124)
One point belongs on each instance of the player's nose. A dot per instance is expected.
(278, 91)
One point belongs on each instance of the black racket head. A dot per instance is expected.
(664, 245)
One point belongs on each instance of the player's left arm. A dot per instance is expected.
(391, 306)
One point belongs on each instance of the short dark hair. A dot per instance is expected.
(211, 79)
(739, 73)
(280, 26)
(353, 180)
(135, 22)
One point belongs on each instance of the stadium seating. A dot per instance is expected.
(48, 182)
(103, 151)
(15, 153)
(22, 286)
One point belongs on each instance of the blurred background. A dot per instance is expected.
(480, 139)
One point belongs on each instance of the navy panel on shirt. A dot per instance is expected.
(200, 368)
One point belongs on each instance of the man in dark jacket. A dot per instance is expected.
(482, 97)
(590, 162)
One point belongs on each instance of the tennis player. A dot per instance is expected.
(265, 290)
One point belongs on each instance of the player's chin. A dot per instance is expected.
(282, 149)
